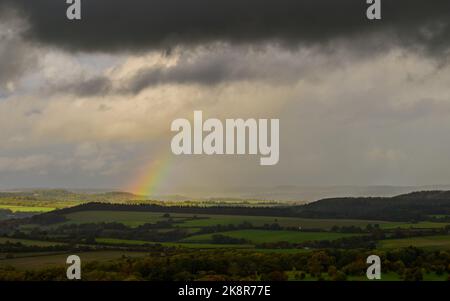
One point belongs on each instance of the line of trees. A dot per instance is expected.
(227, 265)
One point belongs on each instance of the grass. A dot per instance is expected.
(204, 245)
(390, 276)
(419, 225)
(212, 220)
(282, 251)
(439, 215)
(441, 242)
(266, 236)
(114, 241)
(5, 256)
(38, 261)
(128, 218)
(15, 208)
(134, 219)
(435, 277)
(27, 242)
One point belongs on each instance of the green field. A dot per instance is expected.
(419, 225)
(266, 236)
(15, 208)
(439, 215)
(59, 260)
(113, 241)
(441, 242)
(129, 218)
(213, 220)
(28, 242)
(134, 219)
(282, 251)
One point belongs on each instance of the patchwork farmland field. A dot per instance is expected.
(15, 208)
(419, 225)
(114, 241)
(212, 220)
(441, 242)
(28, 242)
(265, 236)
(37, 261)
(134, 219)
(128, 218)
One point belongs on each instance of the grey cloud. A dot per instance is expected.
(209, 67)
(15, 59)
(98, 85)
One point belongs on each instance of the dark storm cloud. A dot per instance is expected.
(216, 67)
(15, 56)
(207, 68)
(209, 72)
(14, 60)
(115, 25)
(99, 85)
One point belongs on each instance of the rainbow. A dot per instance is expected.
(151, 176)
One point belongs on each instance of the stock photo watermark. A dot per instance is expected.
(233, 137)
(74, 270)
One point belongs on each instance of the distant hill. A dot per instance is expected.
(417, 206)
(411, 206)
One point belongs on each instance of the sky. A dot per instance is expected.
(89, 103)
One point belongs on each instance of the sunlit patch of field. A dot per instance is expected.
(15, 208)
